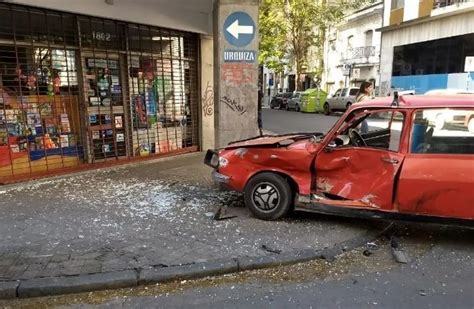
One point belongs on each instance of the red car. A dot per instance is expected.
(382, 159)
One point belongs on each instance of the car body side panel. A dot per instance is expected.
(438, 185)
(243, 163)
(363, 176)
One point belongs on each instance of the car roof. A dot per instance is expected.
(419, 101)
(449, 91)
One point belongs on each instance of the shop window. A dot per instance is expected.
(442, 56)
(160, 83)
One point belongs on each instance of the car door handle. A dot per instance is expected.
(390, 160)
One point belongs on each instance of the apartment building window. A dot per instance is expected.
(443, 3)
(369, 35)
(350, 42)
(397, 4)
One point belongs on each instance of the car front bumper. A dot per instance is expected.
(219, 178)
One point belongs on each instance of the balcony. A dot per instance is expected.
(443, 3)
(445, 7)
(361, 55)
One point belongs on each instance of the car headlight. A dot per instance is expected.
(212, 159)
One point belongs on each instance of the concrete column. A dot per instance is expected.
(235, 70)
(207, 93)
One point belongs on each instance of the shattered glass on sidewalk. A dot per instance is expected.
(154, 214)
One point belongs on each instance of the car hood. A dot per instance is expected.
(271, 140)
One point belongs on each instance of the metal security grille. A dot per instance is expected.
(40, 126)
(77, 89)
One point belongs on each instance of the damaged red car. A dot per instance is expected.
(382, 159)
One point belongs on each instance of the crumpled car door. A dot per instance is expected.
(362, 177)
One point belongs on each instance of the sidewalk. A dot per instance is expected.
(153, 214)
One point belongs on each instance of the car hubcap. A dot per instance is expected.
(266, 196)
(439, 124)
(470, 125)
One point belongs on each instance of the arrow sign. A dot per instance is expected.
(235, 29)
(239, 29)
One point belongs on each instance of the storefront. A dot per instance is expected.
(434, 64)
(78, 90)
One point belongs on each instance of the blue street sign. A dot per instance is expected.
(239, 29)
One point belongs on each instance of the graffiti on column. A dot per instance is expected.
(384, 89)
(208, 100)
(234, 105)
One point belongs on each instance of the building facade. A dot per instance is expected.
(427, 44)
(352, 50)
(91, 82)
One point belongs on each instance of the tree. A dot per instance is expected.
(291, 27)
(272, 46)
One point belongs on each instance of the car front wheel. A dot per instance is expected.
(268, 196)
(470, 125)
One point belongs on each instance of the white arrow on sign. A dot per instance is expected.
(235, 29)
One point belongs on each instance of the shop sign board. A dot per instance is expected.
(102, 63)
(469, 64)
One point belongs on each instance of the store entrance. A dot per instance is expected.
(106, 112)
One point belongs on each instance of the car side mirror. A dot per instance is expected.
(330, 147)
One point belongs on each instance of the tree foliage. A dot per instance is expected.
(273, 47)
(289, 28)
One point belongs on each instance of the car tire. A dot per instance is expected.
(281, 106)
(268, 196)
(348, 105)
(287, 107)
(326, 108)
(470, 125)
(297, 108)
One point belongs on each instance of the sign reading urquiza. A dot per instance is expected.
(248, 56)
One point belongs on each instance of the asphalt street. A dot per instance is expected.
(282, 121)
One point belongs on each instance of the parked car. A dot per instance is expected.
(442, 119)
(276, 100)
(294, 102)
(341, 100)
(280, 100)
(400, 169)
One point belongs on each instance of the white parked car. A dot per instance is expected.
(442, 118)
(341, 100)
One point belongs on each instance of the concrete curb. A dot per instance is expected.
(85, 283)
(8, 289)
(131, 278)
